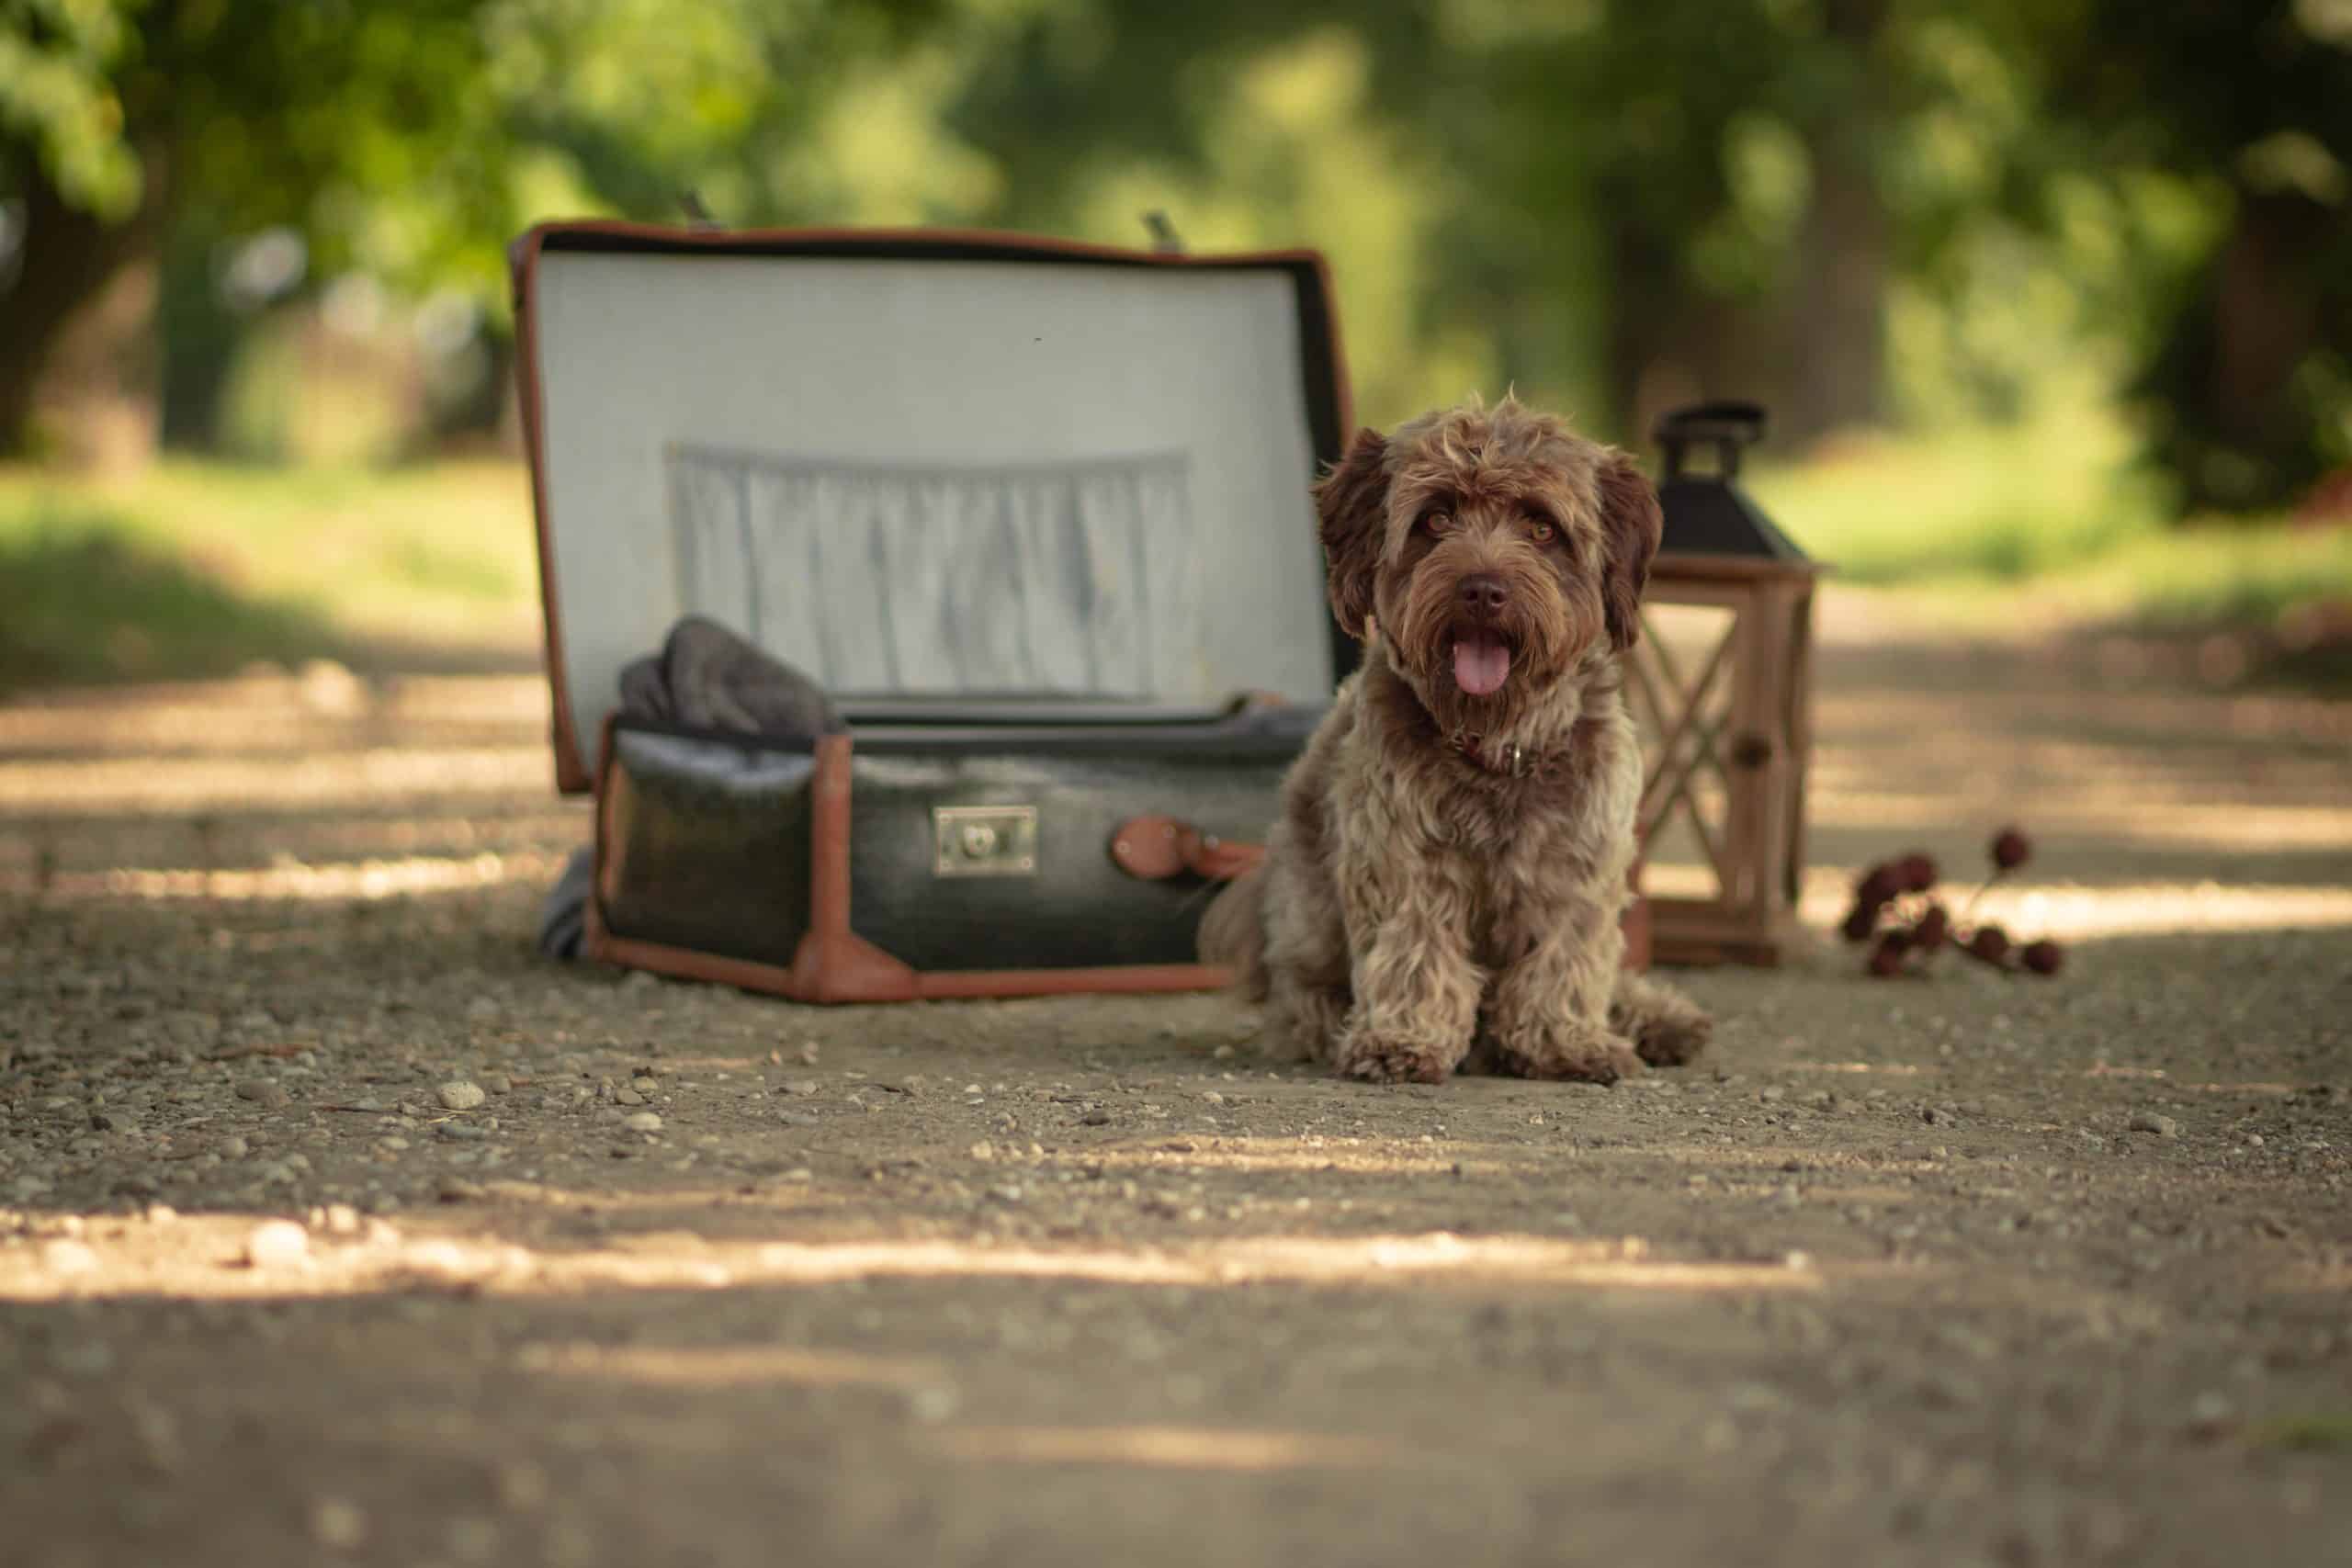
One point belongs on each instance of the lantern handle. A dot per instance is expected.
(1728, 425)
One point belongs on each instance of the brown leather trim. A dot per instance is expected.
(833, 963)
(884, 240)
(1326, 362)
(524, 258)
(1153, 848)
(943, 986)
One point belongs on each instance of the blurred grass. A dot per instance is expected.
(198, 568)
(2318, 1432)
(88, 603)
(2045, 524)
(1982, 504)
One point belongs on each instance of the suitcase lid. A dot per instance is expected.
(924, 464)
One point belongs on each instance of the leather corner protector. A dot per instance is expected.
(841, 966)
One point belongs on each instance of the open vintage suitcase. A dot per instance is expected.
(1035, 513)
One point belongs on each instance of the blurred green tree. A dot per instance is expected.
(2245, 373)
(1614, 204)
(407, 138)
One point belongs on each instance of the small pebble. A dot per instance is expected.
(460, 1095)
(804, 1087)
(337, 1525)
(456, 1189)
(643, 1121)
(276, 1243)
(266, 1093)
(2210, 1415)
(473, 1541)
(2149, 1122)
(522, 1485)
(234, 1147)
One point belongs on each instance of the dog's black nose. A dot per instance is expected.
(1484, 594)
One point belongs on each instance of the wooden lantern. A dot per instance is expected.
(1721, 684)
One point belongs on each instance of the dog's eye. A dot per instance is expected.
(1438, 522)
(1541, 532)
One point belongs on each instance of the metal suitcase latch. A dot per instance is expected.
(984, 841)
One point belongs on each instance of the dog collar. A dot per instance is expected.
(1515, 761)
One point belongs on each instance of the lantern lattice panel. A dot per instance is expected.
(1681, 682)
(1719, 687)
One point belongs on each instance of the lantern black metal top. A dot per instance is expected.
(1708, 514)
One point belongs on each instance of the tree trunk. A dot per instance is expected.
(1669, 344)
(2229, 423)
(1837, 313)
(74, 267)
(1835, 326)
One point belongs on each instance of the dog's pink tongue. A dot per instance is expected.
(1481, 663)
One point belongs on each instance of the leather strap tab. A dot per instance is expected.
(1154, 849)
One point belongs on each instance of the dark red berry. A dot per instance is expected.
(1915, 872)
(2011, 849)
(1878, 884)
(2044, 957)
(1933, 927)
(1886, 959)
(1990, 943)
(1859, 922)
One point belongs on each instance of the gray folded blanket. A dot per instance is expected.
(705, 678)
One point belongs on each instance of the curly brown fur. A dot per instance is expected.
(1450, 867)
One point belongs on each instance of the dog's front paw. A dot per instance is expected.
(1667, 1028)
(1381, 1058)
(1571, 1052)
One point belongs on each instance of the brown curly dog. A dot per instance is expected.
(1445, 882)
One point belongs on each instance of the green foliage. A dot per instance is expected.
(197, 568)
(1997, 503)
(1925, 211)
(59, 105)
(90, 602)
(2327, 1431)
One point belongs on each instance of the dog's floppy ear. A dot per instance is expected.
(1630, 523)
(1352, 504)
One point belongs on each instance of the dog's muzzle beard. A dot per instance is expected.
(1480, 644)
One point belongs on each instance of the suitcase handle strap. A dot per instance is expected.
(1156, 848)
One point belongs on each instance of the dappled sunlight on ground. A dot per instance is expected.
(2072, 912)
(221, 1256)
(343, 882)
(1171, 1448)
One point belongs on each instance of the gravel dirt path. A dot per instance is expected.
(335, 1226)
